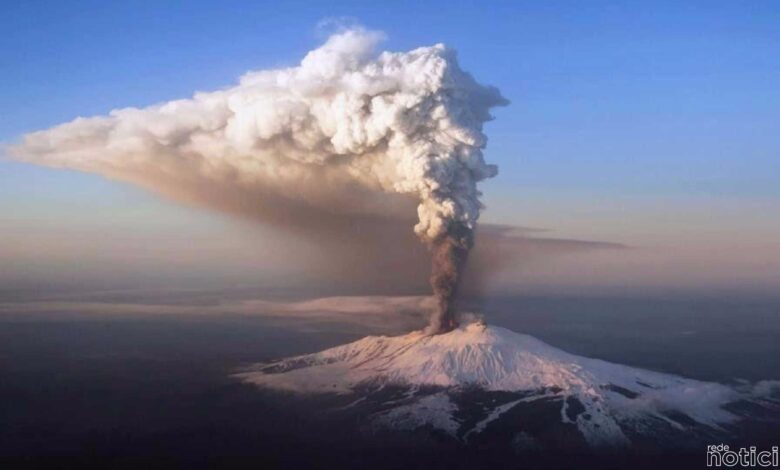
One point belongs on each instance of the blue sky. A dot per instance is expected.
(620, 110)
(618, 96)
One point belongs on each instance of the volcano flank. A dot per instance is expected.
(478, 381)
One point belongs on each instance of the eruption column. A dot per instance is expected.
(348, 132)
(450, 252)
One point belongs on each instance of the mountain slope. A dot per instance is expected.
(609, 404)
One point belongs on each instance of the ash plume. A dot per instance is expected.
(449, 254)
(347, 133)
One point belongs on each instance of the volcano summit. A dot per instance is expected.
(480, 381)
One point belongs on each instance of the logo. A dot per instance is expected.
(721, 456)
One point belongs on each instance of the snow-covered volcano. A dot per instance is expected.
(477, 377)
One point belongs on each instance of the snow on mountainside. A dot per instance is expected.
(608, 403)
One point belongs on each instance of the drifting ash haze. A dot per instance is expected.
(347, 133)
(486, 382)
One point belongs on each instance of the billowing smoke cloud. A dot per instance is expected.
(325, 139)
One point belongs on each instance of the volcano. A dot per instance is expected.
(481, 382)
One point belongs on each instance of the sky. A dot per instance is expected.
(648, 124)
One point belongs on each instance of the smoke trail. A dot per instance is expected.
(347, 133)
(450, 252)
